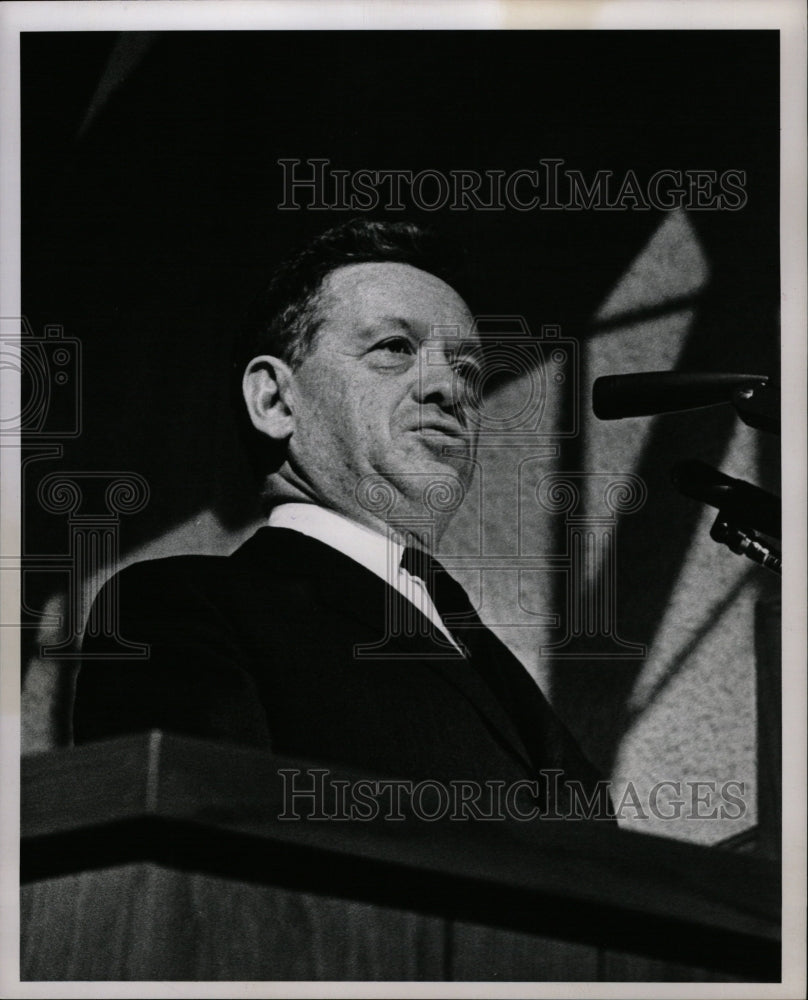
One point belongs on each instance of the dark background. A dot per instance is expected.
(150, 188)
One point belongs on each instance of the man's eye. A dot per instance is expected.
(396, 345)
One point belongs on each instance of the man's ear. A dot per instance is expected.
(266, 387)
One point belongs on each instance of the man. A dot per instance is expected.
(332, 634)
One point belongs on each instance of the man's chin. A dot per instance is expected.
(442, 462)
(417, 485)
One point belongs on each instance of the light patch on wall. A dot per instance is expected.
(672, 266)
(43, 684)
(688, 616)
(693, 703)
(667, 275)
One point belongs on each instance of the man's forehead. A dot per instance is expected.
(388, 290)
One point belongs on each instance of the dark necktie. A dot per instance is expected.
(460, 618)
(489, 665)
(450, 600)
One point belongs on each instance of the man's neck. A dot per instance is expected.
(285, 489)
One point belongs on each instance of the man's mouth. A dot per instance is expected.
(442, 435)
(442, 429)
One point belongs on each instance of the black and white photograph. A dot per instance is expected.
(403, 441)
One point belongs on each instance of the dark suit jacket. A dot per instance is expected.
(260, 648)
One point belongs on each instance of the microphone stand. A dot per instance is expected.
(757, 403)
(745, 542)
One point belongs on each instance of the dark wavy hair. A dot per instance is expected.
(284, 317)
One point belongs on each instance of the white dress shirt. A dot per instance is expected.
(371, 549)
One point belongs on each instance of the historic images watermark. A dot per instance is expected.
(317, 795)
(550, 185)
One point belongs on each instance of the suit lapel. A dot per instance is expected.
(340, 583)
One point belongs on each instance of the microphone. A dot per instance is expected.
(747, 506)
(645, 394)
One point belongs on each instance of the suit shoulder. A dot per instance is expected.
(173, 565)
(173, 568)
(171, 577)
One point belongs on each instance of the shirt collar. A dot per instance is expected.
(371, 549)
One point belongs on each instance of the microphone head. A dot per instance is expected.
(747, 506)
(701, 481)
(645, 394)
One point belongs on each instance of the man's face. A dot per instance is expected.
(367, 401)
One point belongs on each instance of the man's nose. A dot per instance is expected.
(438, 381)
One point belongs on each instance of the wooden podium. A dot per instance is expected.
(156, 857)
